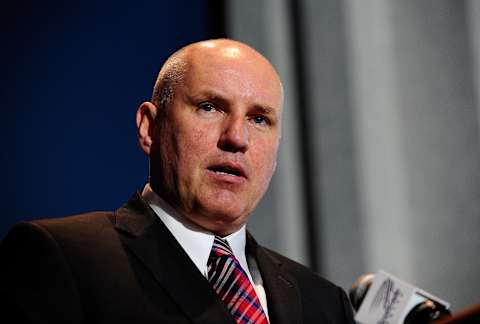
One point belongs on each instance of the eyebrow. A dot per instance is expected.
(265, 109)
(215, 96)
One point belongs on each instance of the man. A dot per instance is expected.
(178, 252)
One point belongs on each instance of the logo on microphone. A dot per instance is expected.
(386, 298)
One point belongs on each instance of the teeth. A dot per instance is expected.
(222, 172)
(226, 171)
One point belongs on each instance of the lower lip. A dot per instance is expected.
(226, 178)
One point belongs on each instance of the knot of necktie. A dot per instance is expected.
(220, 248)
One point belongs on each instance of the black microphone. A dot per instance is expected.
(382, 298)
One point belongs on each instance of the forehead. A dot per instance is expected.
(235, 75)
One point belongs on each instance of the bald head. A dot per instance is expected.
(175, 68)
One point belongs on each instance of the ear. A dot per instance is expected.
(145, 118)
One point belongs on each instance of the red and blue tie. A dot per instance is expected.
(231, 284)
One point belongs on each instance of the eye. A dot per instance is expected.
(259, 120)
(207, 107)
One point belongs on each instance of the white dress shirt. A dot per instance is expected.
(197, 242)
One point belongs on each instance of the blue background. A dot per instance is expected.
(73, 76)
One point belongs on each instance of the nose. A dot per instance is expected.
(234, 137)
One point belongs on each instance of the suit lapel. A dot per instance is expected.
(148, 238)
(283, 296)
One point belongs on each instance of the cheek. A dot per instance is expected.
(192, 145)
(194, 142)
(264, 162)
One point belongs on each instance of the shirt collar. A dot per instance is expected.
(196, 241)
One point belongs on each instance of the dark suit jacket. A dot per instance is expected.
(126, 267)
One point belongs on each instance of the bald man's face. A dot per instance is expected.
(217, 142)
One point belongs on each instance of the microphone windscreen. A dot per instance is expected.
(359, 289)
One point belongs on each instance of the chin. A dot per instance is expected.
(222, 215)
(219, 202)
(226, 213)
(222, 208)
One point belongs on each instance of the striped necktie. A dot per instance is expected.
(232, 285)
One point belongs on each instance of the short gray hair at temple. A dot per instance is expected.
(171, 74)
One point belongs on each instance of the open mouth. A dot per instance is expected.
(228, 169)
